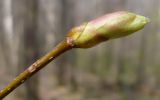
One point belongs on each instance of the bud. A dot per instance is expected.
(110, 26)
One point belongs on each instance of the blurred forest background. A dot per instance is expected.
(121, 69)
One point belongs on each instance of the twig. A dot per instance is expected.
(35, 67)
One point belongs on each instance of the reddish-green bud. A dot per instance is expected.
(110, 26)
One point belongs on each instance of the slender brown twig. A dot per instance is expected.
(35, 67)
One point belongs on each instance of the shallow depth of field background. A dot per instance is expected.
(121, 69)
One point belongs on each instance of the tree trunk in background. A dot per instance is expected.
(62, 62)
(65, 64)
(25, 23)
(31, 47)
(4, 35)
(50, 13)
(148, 52)
(3, 56)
